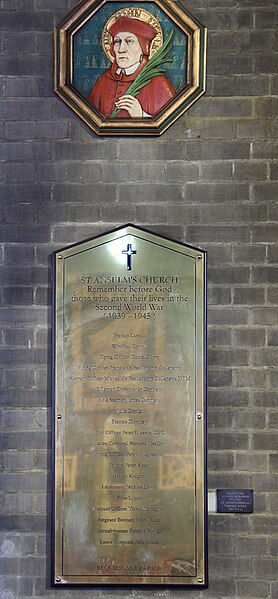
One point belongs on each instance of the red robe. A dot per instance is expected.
(110, 87)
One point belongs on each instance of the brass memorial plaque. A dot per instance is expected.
(130, 422)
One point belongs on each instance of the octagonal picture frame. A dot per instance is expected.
(90, 76)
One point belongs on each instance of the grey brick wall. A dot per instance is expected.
(210, 180)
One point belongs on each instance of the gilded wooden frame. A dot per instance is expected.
(191, 66)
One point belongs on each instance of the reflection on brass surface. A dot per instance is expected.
(129, 386)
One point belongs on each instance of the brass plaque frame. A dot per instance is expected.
(130, 501)
(186, 89)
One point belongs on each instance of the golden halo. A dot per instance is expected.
(133, 12)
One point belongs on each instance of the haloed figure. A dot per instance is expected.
(130, 47)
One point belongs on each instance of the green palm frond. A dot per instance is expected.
(153, 68)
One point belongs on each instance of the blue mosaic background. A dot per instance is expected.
(90, 61)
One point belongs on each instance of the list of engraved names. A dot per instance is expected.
(129, 378)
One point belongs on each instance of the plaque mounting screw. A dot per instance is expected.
(199, 257)
(59, 416)
(200, 580)
(58, 579)
(59, 257)
(199, 416)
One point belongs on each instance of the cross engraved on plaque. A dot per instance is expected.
(129, 252)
